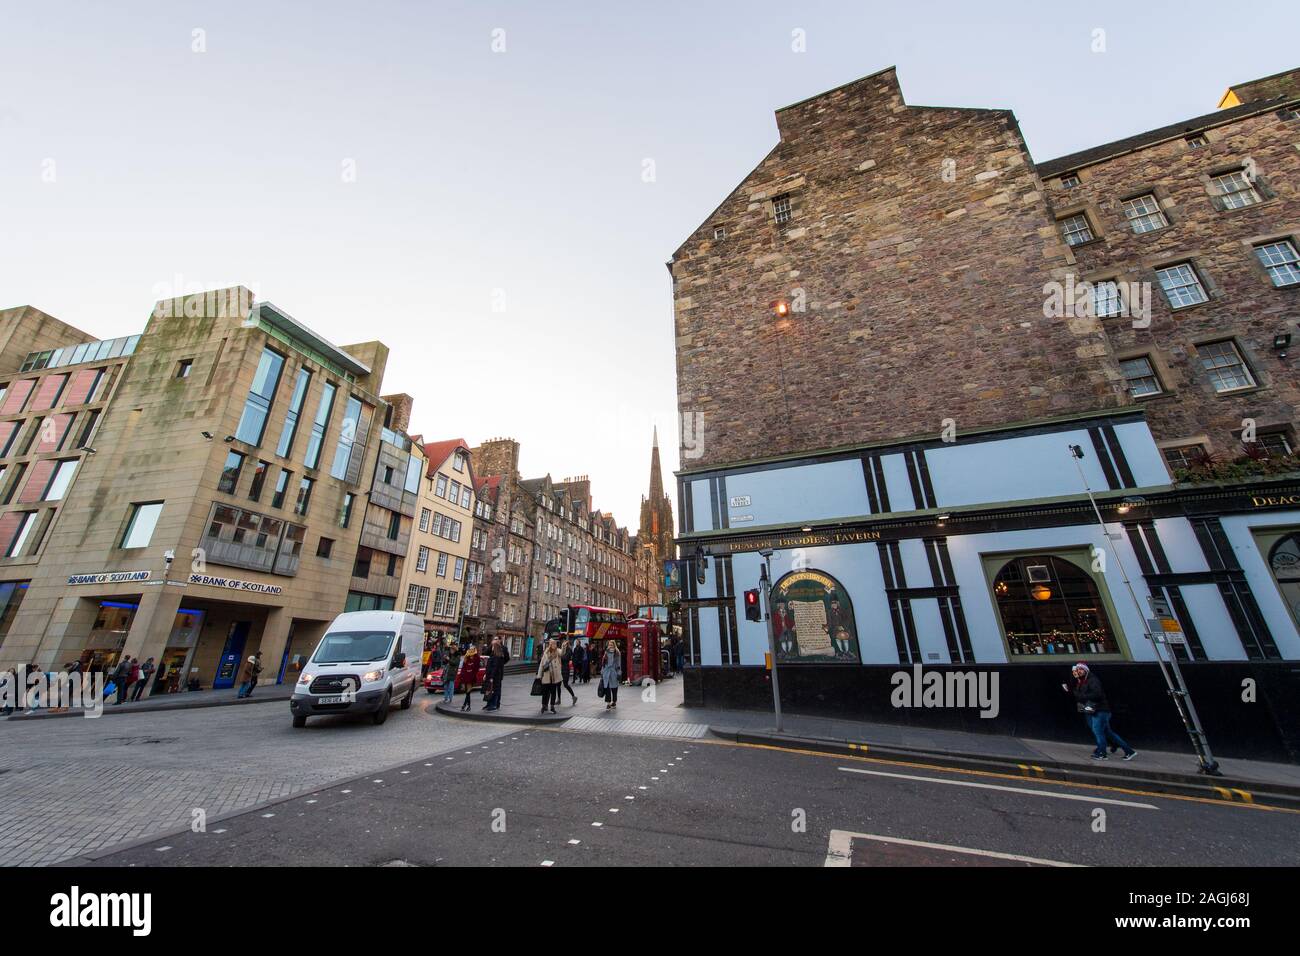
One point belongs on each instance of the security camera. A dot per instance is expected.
(169, 556)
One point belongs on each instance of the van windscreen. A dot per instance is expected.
(346, 647)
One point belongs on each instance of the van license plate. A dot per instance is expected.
(330, 700)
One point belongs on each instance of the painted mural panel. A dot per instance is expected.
(812, 618)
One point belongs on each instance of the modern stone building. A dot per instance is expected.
(901, 373)
(192, 493)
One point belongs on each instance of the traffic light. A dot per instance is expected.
(753, 610)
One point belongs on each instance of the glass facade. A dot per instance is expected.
(252, 424)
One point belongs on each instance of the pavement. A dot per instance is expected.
(661, 706)
(185, 700)
(70, 787)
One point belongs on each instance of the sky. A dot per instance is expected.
(493, 189)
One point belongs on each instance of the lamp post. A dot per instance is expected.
(1169, 670)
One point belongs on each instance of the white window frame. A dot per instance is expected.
(1213, 370)
(1284, 262)
(1175, 289)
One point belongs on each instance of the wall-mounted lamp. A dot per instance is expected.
(781, 308)
(1281, 342)
(228, 439)
(1128, 504)
(207, 435)
(941, 519)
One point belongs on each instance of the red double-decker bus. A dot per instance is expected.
(589, 625)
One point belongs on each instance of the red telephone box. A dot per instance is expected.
(641, 652)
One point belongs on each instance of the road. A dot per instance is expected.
(515, 795)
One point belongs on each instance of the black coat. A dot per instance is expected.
(1090, 691)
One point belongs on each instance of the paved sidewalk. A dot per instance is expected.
(185, 700)
(641, 709)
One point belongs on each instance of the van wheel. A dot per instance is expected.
(410, 696)
(381, 714)
(299, 720)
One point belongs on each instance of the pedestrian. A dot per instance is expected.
(579, 661)
(1090, 700)
(470, 674)
(680, 655)
(566, 658)
(9, 690)
(121, 675)
(611, 672)
(498, 658)
(132, 678)
(252, 667)
(550, 670)
(450, 661)
(146, 674)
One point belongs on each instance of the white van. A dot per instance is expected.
(365, 662)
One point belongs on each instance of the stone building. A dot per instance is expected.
(439, 571)
(909, 246)
(1198, 220)
(502, 545)
(905, 393)
(190, 494)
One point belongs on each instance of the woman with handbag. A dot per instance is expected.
(611, 671)
(550, 671)
(471, 673)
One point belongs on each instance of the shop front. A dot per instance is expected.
(988, 557)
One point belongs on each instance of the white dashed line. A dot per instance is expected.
(267, 816)
(548, 863)
(597, 823)
(222, 830)
(574, 842)
(311, 801)
(345, 791)
(162, 849)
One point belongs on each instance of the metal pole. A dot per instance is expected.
(765, 584)
(1177, 687)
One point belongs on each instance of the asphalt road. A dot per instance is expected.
(539, 797)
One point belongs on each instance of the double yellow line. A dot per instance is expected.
(1231, 797)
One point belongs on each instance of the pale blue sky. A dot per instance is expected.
(519, 171)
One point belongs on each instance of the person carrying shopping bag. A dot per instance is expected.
(611, 672)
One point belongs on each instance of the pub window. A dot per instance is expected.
(1141, 377)
(1144, 213)
(1076, 229)
(1280, 261)
(1182, 285)
(781, 209)
(1275, 444)
(1236, 189)
(1284, 562)
(1049, 605)
(1225, 366)
(1182, 457)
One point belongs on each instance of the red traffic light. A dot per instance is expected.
(753, 611)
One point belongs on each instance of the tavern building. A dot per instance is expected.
(874, 386)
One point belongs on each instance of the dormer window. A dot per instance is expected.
(1069, 180)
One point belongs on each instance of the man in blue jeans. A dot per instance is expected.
(451, 659)
(1090, 698)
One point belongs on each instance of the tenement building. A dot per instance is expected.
(910, 358)
(190, 494)
(502, 546)
(439, 571)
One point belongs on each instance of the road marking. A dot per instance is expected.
(574, 842)
(654, 778)
(267, 816)
(596, 824)
(613, 809)
(222, 830)
(629, 797)
(999, 776)
(311, 801)
(641, 788)
(548, 863)
(162, 849)
(839, 850)
(995, 786)
(345, 791)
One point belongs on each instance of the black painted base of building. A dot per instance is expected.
(1032, 704)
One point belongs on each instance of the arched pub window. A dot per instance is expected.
(1049, 605)
(1284, 562)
